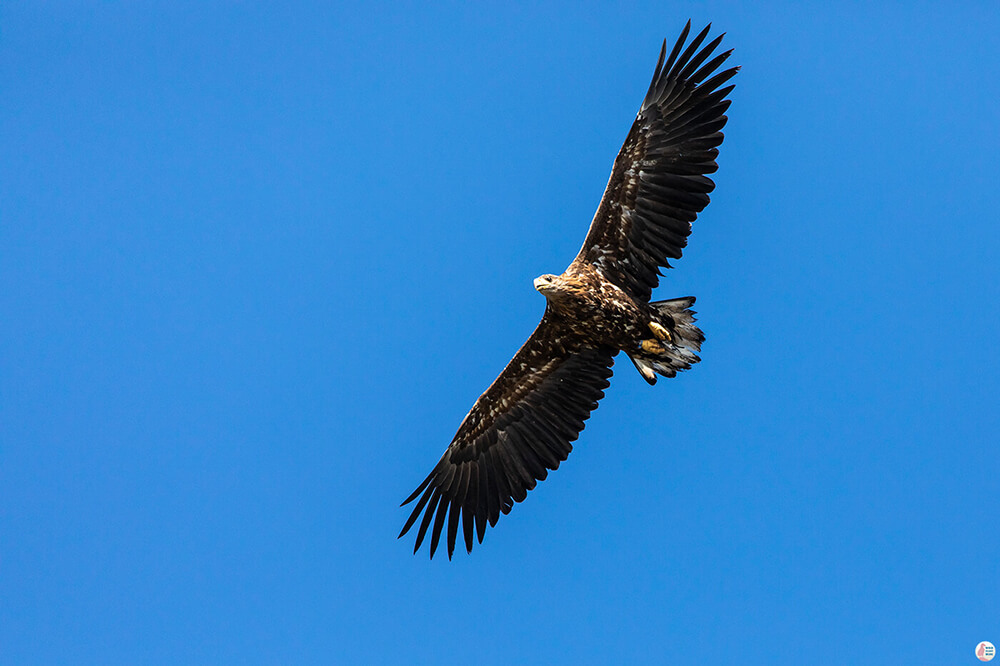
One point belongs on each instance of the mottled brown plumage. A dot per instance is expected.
(525, 422)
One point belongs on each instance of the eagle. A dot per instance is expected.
(525, 423)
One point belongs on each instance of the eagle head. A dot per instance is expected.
(548, 285)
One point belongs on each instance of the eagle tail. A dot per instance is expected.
(668, 357)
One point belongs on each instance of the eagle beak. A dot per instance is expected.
(539, 283)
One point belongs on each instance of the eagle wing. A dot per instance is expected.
(520, 428)
(658, 184)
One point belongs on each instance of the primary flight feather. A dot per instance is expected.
(524, 423)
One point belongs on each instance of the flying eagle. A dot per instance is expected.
(524, 423)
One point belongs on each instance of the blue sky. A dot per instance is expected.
(256, 264)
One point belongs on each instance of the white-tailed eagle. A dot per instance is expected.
(524, 423)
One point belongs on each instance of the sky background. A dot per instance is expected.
(256, 264)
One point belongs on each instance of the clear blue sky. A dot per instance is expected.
(257, 263)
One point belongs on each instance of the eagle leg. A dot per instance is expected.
(660, 332)
(652, 347)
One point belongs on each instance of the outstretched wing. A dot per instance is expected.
(520, 428)
(658, 184)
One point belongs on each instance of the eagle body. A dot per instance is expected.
(583, 300)
(591, 310)
(524, 424)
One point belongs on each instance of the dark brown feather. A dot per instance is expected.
(658, 184)
(520, 428)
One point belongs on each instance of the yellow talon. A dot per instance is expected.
(660, 332)
(652, 347)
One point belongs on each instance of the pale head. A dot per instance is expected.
(547, 284)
